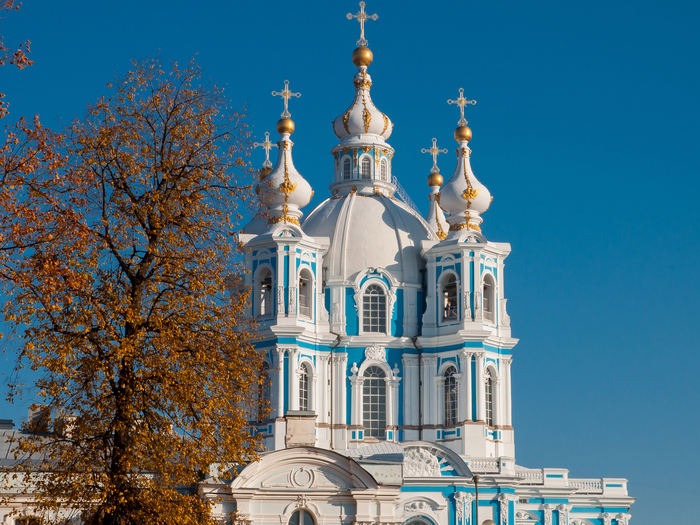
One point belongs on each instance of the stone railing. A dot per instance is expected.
(586, 485)
(530, 475)
(482, 465)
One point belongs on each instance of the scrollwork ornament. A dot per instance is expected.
(375, 352)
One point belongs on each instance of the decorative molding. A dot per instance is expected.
(548, 514)
(302, 501)
(564, 514)
(292, 300)
(280, 300)
(504, 317)
(467, 306)
(622, 519)
(503, 500)
(322, 304)
(376, 352)
(420, 462)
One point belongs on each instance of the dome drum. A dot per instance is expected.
(362, 164)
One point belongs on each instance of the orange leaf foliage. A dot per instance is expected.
(116, 250)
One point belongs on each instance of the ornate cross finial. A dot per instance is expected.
(286, 95)
(434, 151)
(362, 17)
(267, 145)
(461, 102)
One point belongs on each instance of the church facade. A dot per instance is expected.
(388, 350)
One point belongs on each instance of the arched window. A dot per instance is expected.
(265, 293)
(450, 397)
(305, 293)
(374, 402)
(488, 398)
(366, 168)
(489, 298)
(263, 392)
(450, 310)
(347, 169)
(301, 517)
(383, 170)
(374, 309)
(304, 387)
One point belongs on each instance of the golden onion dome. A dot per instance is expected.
(362, 56)
(285, 125)
(435, 179)
(463, 133)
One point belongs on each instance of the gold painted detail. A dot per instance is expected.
(440, 233)
(386, 124)
(287, 187)
(470, 194)
(458, 227)
(284, 217)
(346, 117)
(354, 156)
(491, 199)
(377, 156)
(346, 150)
(354, 189)
(366, 149)
(366, 116)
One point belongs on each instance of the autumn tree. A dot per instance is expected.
(122, 247)
(17, 56)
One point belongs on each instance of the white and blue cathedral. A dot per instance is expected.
(388, 351)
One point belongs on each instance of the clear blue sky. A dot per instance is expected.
(586, 132)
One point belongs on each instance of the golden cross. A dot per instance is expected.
(362, 17)
(434, 151)
(267, 145)
(461, 102)
(286, 95)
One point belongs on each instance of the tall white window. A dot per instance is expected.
(347, 169)
(383, 170)
(374, 309)
(450, 397)
(450, 309)
(265, 293)
(366, 168)
(489, 301)
(304, 387)
(488, 398)
(374, 402)
(305, 293)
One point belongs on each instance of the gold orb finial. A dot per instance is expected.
(285, 125)
(463, 133)
(362, 56)
(435, 179)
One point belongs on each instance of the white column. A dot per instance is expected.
(507, 400)
(340, 390)
(564, 515)
(465, 390)
(356, 383)
(429, 407)
(292, 299)
(293, 379)
(410, 391)
(278, 407)
(480, 401)
(440, 400)
(460, 404)
(476, 263)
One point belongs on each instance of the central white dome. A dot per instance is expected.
(370, 231)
